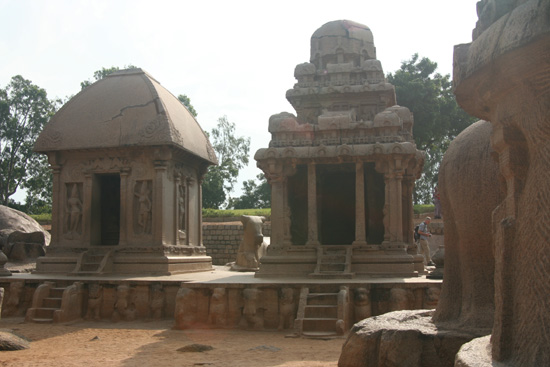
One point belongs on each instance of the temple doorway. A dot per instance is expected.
(106, 209)
(336, 197)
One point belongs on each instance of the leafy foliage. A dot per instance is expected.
(187, 103)
(100, 74)
(437, 117)
(24, 109)
(255, 196)
(232, 153)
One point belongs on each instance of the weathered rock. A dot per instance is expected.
(402, 339)
(21, 237)
(10, 341)
(502, 77)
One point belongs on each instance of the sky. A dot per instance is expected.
(231, 58)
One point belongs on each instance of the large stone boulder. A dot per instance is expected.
(402, 339)
(11, 341)
(21, 237)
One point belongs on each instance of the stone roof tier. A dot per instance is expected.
(126, 108)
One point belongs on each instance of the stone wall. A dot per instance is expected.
(222, 240)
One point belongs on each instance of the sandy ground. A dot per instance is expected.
(105, 344)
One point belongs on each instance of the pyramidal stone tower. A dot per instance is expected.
(342, 170)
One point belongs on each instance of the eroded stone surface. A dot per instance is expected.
(502, 76)
(401, 338)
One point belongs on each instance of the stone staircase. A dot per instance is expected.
(333, 262)
(55, 304)
(93, 262)
(322, 313)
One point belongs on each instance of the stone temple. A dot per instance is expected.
(127, 160)
(342, 170)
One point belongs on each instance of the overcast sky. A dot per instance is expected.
(231, 57)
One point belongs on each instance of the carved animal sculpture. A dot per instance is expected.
(252, 314)
(217, 315)
(252, 247)
(95, 299)
(122, 304)
(361, 304)
(286, 309)
(471, 188)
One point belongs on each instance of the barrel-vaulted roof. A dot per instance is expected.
(126, 108)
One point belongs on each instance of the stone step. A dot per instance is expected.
(332, 267)
(321, 311)
(45, 312)
(42, 320)
(329, 299)
(89, 266)
(56, 292)
(332, 275)
(333, 259)
(51, 302)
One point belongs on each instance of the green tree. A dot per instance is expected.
(232, 153)
(437, 117)
(187, 103)
(100, 74)
(24, 109)
(255, 196)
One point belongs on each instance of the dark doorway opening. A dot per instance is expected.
(108, 208)
(336, 197)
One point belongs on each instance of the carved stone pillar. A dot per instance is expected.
(360, 230)
(124, 207)
(57, 225)
(313, 231)
(86, 208)
(277, 210)
(158, 203)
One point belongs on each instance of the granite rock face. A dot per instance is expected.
(402, 339)
(21, 236)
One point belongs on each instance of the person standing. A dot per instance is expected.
(424, 233)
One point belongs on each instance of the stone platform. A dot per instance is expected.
(219, 298)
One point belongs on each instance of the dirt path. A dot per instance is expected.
(106, 344)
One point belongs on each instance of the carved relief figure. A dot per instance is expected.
(252, 314)
(144, 207)
(432, 297)
(74, 211)
(286, 309)
(186, 308)
(95, 299)
(157, 301)
(361, 304)
(122, 305)
(182, 202)
(217, 314)
(11, 306)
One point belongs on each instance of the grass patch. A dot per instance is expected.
(44, 218)
(423, 208)
(216, 213)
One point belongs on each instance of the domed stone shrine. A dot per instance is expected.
(127, 160)
(342, 170)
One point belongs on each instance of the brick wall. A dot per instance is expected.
(222, 241)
